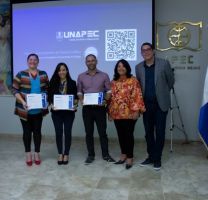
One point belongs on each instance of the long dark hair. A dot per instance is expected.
(55, 81)
(126, 65)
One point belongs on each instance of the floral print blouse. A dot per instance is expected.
(126, 99)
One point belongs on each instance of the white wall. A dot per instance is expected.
(188, 87)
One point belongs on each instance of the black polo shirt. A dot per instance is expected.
(150, 94)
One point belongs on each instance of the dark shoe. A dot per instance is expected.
(128, 166)
(148, 161)
(60, 160)
(120, 162)
(89, 160)
(109, 159)
(129, 163)
(157, 165)
(65, 160)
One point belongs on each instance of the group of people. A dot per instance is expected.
(125, 99)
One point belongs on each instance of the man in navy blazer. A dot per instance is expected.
(157, 79)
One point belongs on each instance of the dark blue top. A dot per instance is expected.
(149, 95)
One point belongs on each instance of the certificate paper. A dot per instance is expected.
(93, 98)
(63, 102)
(36, 101)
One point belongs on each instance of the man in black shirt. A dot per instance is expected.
(156, 79)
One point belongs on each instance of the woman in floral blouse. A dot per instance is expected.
(125, 107)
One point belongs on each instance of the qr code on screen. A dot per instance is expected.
(121, 44)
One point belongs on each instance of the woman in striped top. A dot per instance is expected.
(30, 80)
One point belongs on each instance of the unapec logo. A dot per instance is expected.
(178, 36)
(78, 35)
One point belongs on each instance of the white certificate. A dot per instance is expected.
(34, 101)
(63, 102)
(93, 98)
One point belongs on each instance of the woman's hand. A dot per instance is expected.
(52, 107)
(20, 99)
(75, 104)
(24, 104)
(110, 118)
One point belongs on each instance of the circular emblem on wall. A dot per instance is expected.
(179, 36)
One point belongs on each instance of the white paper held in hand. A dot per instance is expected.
(93, 98)
(36, 101)
(63, 102)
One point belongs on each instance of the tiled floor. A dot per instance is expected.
(184, 175)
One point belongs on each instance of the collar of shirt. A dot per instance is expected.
(33, 76)
(96, 71)
(148, 66)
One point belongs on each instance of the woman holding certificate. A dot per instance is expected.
(125, 107)
(30, 87)
(63, 97)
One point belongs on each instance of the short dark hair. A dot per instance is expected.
(32, 54)
(126, 65)
(148, 44)
(90, 55)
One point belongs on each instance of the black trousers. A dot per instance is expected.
(63, 121)
(32, 125)
(154, 123)
(125, 130)
(95, 114)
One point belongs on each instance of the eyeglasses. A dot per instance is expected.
(146, 50)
